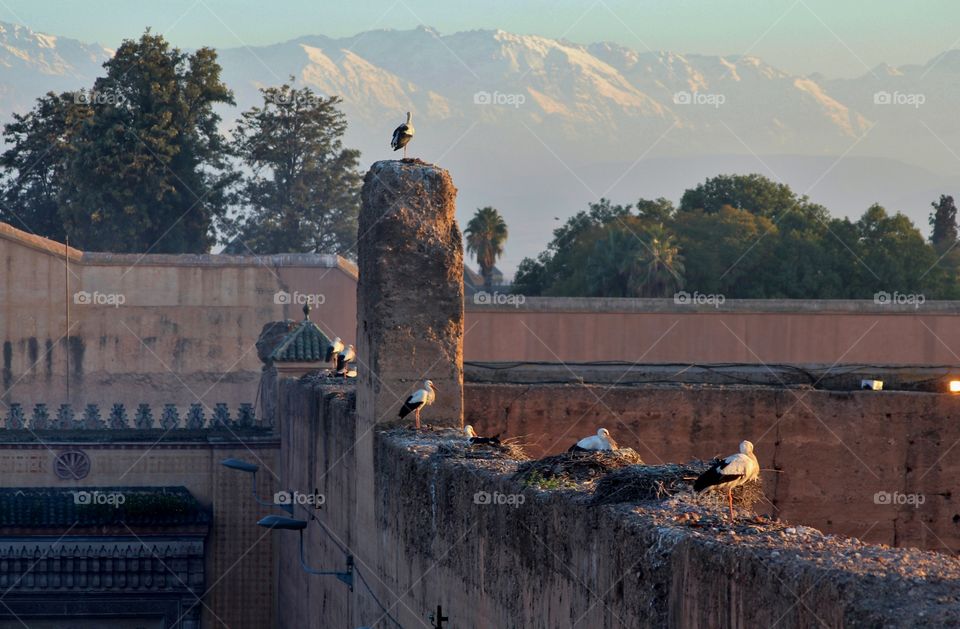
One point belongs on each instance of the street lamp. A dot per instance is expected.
(252, 469)
(292, 524)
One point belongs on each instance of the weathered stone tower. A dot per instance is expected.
(410, 293)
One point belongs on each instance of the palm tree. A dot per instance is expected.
(486, 232)
(662, 272)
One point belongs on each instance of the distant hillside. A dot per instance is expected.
(538, 126)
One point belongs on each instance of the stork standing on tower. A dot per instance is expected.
(420, 398)
(402, 135)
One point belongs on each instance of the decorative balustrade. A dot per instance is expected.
(196, 418)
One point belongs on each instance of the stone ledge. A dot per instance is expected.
(667, 572)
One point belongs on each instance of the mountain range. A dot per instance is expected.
(539, 127)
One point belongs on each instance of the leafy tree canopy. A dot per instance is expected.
(303, 190)
(743, 237)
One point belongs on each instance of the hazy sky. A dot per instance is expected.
(835, 37)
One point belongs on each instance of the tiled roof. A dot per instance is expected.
(53, 507)
(306, 343)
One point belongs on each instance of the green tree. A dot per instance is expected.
(486, 233)
(608, 250)
(943, 220)
(39, 142)
(663, 269)
(753, 193)
(148, 170)
(894, 256)
(303, 190)
(726, 252)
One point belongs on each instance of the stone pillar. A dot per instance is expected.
(410, 293)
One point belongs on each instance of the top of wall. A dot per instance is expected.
(611, 305)
(9, 232)
(89, 258)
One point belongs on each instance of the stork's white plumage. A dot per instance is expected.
(420, 398)
(402, 135)
(600, 441)
(733, 471)
(334, 349)
(344, 357)
(475, 439)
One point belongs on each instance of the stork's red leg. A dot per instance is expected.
(730, 495)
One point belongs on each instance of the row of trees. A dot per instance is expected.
(138, 163)
(744, 237)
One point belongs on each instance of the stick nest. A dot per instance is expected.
(508, 449)
(575, 467)
(639, 483)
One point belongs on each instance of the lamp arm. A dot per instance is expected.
(253, 484)
(346, 576)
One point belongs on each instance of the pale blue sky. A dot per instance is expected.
(835, 37)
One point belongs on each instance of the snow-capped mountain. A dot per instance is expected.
(32, 64)
(539, 126)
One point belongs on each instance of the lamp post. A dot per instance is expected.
(252, 469)
(292, 524)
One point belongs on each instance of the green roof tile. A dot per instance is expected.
(50, 507)
(306, 343)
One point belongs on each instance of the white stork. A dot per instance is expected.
(402, 135)
(334, 349)
(733, 471)
(476, 440)
(344, 357)
(600, 441)
(420, 398)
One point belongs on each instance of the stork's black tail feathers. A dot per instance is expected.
(409, 407)
(490, 441)
(713, 476)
